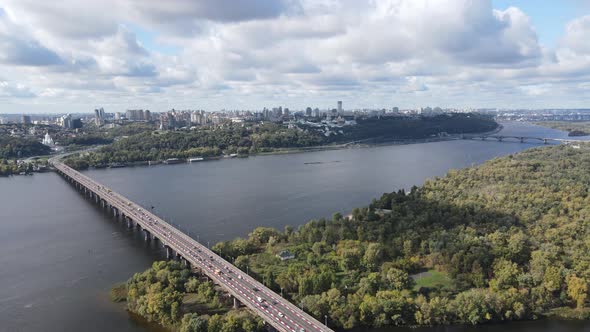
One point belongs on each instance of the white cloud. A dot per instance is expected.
(577, 37)
(10, 90)
(254, 53)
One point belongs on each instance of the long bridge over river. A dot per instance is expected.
(522, 139)
(272, 308)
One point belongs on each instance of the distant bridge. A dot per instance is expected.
(522, 139)
(272, 308)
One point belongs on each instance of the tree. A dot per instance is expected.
(505, 275)
(192, 322)
(397, 279)
(373, 256)
(577, 290)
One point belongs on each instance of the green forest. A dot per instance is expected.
(169, 295)
(507, 240)
(574, 128)
(395, 128)
(16, 147)
(150, 145)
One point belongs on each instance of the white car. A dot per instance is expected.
(281, 315)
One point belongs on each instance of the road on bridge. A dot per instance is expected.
(275, 310)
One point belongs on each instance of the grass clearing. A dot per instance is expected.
(431, 279)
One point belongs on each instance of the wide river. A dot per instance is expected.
(59, 255)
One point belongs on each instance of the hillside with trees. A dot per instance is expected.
(17, 147)
(504, 241)
(251, 138)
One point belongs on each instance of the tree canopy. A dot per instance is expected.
(506, 240)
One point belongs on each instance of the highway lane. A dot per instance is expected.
(275, 310)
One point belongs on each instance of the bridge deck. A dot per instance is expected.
(275, 310)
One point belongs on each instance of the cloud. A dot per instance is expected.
(9, 90)
(245, 54)
(577, 36)
(21, 50)
(219, 10)
(26, 53)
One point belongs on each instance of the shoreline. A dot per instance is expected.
(341, 146)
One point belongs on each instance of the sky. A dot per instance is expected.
(74, 56)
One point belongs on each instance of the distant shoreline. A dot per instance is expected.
(330, 147)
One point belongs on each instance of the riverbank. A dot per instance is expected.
(573, 128)
(377, 142)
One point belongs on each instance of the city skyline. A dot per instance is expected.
(63, 58)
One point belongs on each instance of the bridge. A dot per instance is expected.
(272, 308)
(522, 139)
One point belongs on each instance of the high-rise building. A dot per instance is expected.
(26, 119)
(147, 115)
(339, 107)
(77, 123)
(66, 121)
(99, 116)
(117, 116)
(134, 115)
(308, 111)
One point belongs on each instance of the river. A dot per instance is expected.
(60, 254)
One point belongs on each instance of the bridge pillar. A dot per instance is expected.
(169, 252)
(545, 141)
(521, 139)
(236, 303)
(129, 222)
(177, 257)
(146, 235)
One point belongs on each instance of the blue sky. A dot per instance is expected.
(73, 56)
(549, 16)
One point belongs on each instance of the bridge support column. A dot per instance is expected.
(129, 222)
(169, 252)
(521, 139)
(146, 235)
(545, 141)
(236, 303)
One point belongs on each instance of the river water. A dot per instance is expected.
(60, 255)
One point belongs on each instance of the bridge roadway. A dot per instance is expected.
(273, 309)
(522, 139)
